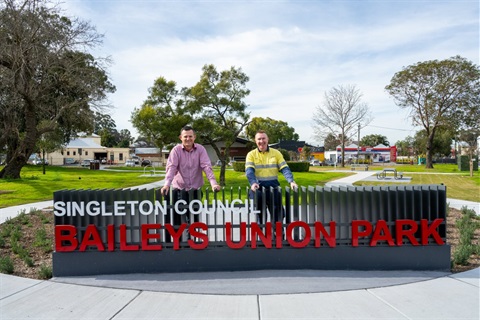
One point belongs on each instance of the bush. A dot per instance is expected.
(467, 226)
(299, 166)
(6, 265)
(45, 272)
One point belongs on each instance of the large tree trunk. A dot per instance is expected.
(429, 155)
(13, 168)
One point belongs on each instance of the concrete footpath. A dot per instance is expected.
(266, 294)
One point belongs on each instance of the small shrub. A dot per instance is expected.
(461, 255)
(6, 265)
(42, 241)
(466, 226)
(23, 218)
(45, 272)
(28, 261)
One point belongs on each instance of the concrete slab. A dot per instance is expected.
(472, 277)
(50, 300)
(442, 298)
(357, 304)
(255, 282)
(154, 305)
(11, 284)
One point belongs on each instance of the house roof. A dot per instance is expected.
(84, 143)
(293, 145)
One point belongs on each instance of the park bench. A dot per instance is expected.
(363, 167)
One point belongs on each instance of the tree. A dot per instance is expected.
(340, 114)
(162, 114)
(405, 147)
(47, 82)
(331, 142)
(103, 121)
(217, 101)
(373, 140)
(277, 130)
(124, 138)
(441, 145)
(438, 93)
(306, 153)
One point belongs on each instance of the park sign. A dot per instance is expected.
(346, 228)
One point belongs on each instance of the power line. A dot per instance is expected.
(390, 128)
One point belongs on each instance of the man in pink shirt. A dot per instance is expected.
(185, 165)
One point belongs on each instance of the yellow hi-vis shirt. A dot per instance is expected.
(266, 164)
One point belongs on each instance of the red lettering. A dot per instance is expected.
(65, 233)
(176, 234)
(243, 236)
(306, 239)
(146, 236)
(330, 238)
(111, 237)
(266, 238)
(199, 235)
(408, 233)
(123, 240)
(91, 238)
(356, 233)
(381, 233)
(278, 234)
(431, 230)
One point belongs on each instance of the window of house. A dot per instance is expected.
(74, 153)
(86, 153)
(68, 153)
(120, 156)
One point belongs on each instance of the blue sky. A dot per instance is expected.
(292, 51)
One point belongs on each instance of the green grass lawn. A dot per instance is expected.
(36, 186)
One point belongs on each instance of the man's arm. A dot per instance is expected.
(206, 166)
(287, 173)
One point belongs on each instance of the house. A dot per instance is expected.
(379, 153)
(238, 150)
(87, 148)
(297, 146)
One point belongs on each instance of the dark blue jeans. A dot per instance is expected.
(271, 200)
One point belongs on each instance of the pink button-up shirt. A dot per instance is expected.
(184, 168)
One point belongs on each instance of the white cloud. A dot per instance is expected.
(292, 51)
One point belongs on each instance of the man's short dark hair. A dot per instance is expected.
(186, 128)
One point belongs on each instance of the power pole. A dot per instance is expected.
(358, 146)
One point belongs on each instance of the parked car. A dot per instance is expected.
(315, 163)
(136, 159)
(39, 162)
(86, 162)
(146, 162)
(329, 163)
(70, 161)
(130, 163)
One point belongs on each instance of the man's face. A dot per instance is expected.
(261, 139)
(188, 138)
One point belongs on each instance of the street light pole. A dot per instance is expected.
(358, 146)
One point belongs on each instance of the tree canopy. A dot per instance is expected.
(442, 93)
(217, 101)
(340, 114)
(214, 106)
(277, 130)
(162, 114)
(373, 140)
(49, 82)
